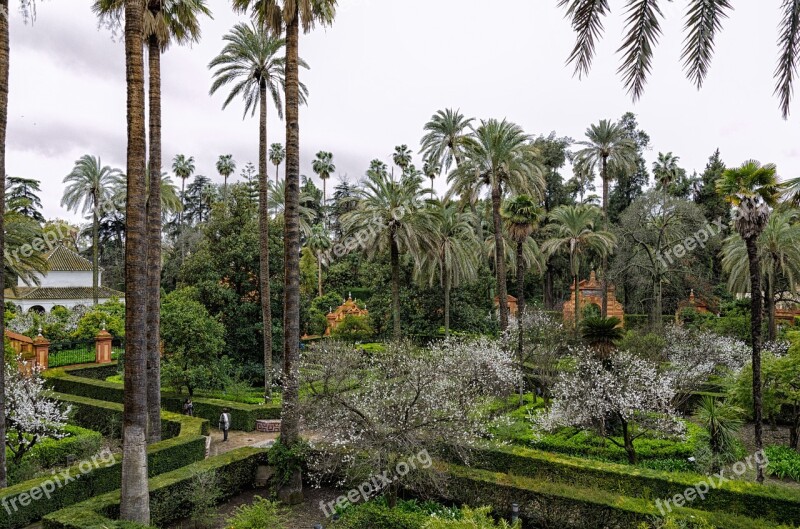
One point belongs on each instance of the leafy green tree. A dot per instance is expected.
(20, 261)
(499, 157)
(353, 329)
(452, 257)
(629, 182)
(88, 189)
(752, 189)
(22, 196)
(390, 217)
(192, 338)
(606, 149)
(109, 316)
(782, 381)
(703, 23)
(575, 230)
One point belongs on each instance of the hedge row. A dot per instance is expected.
(779, 504)
(169, 493)
(372, 515)
(78, 443)
(19, 508)
(243, 416)
(548, 504)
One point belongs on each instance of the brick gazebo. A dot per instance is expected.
(347, 308)
(591, 292)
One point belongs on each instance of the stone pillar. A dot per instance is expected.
(102, 343)
(41, 351)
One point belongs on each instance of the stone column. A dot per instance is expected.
(102, 344)
(41, 351)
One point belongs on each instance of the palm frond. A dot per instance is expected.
(703, 22)
(643, 30)
(789, 42)
(586, 17)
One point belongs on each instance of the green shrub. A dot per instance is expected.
(472, 519)
(261, 514)
(203, 497)
(353, 329)
(110, 314)
(372, 516)
(79, 443)
(783, 462)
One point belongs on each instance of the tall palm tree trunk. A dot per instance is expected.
(755, 329)
(4, 65)
(604, 281)
(447, 289)
(577, 302)
(135, 501)
(154, 244)
(319, 274)
(520, 294)
(395, 264)
(499, 257)
(95, 247)
(292, 491)
(770, 301)
(263, 219)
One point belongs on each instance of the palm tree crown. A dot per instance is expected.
(446, 135)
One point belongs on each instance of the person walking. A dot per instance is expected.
(225, 423)
(188, 407)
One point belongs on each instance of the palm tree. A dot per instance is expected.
(134, 496)
(500, 158)
(752, 189)
(319, 241)
(276, 156)
(278, 17)
(452, 257)
(431, 171)
(666, 171)
(778, 253)
(575, 231)
(402, 157)
(89, 187)
(251, 62)
(277, 203)
(324, 167)
(164, 22)
(607, 147)
(446, 136)
(703, 22)
(183, 168)
(391, 212)
(226, 166)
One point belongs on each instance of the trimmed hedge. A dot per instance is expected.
(778, 504)
(549, 504)
(79, 443)
(243, 416)
(235, 472)
(187, 447)
(371, 515)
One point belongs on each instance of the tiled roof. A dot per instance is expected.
(62, 259)
(46, 293)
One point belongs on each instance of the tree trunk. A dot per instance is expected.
(548, 287)
(755, 330)
(95, 246)
(499, 256)
(520, 296)
(604, 279)
(655, 315)
(773, 326)
(263, 221)
(292, 492)
(447, 288)
(577, 303)
(628, 439)
(4, 64)
(319, 274)
(134, 500)
(154, 244)
(794, 429)
(395, 263)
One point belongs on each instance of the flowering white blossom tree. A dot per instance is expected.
(32, 413)
(383, 407)
(624, 388)
(693, 356)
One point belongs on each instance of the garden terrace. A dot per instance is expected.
(185, 442)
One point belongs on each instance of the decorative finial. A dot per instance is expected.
(104, 325)
(40, 330)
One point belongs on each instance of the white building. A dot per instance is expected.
(67, 284)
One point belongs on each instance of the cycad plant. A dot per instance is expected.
(602, 334)
(721, 423)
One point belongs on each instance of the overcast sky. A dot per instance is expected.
(380, 72)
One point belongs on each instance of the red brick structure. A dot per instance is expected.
(591, 293)
(513, 308)
(347, 308)
(102, 345)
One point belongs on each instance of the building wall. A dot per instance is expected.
(48, 305)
